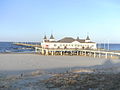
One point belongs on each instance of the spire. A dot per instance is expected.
(87, 38)
(77, 38)
(45, 37)
(51, 37)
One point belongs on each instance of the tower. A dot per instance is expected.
(51, 38)
(45, 39)
(87, 39)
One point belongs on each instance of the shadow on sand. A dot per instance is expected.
(107, 65)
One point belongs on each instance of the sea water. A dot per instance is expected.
(109, 46)
(6, 47)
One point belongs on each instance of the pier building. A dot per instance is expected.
(68, 43)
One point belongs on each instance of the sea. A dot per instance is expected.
(110, 46)
(10, 47)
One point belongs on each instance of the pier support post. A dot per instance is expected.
(106, 55)
(71, 53)
(111, 55)
(85, 53)
(46, 52)
(99, 55)
(90, 54)
(61, 53)
(77, 53)
(80, 52)
(36, 49)
(94, 54)
(42, 52)
(52, 53)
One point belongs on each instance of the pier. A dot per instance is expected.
(27, 45)
(79, 52)
(98, 53)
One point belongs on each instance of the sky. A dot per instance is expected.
(30, 20)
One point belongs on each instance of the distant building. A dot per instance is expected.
(68, 43)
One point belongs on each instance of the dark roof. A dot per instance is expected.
(67, 40)
(87, 38)
(45, 37)
(51, 37)
(70, 40)
(81, 40)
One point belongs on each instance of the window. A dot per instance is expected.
(55, 45)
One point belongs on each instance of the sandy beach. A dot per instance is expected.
(17, 63)
(28, 71)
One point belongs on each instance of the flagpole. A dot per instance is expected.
(104, 45)
(108, 45)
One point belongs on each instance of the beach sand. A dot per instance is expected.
(25, 71)
(17, 63)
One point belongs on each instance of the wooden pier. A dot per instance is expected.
(78, 52)
(27, 45)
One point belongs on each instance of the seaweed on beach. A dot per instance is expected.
(84, 81)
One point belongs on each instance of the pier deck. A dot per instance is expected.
(28, 45)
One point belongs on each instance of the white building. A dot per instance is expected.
(68, 43)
